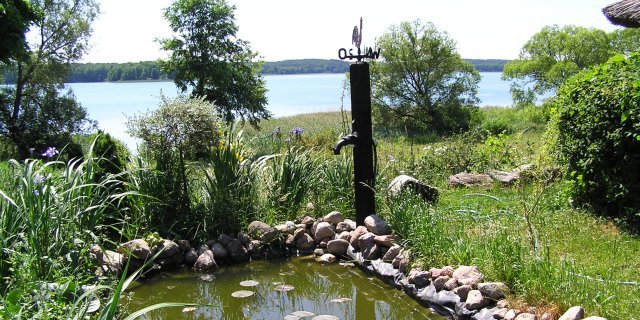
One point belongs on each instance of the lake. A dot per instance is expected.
(110, 103)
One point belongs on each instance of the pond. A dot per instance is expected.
(340, 290)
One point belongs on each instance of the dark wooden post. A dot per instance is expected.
(363, 170)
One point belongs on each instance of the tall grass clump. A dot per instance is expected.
(334, 190)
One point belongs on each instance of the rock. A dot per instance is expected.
(468, 275)
(402, 261)
(255, 249)
(573, 313)
(243, 238)
(298, 233)
(190, 257)
(355, 235)
(224, 239)
(502, 304)
(210, 243)
(287, 227)
(462, 292)
(323, 242)
(511, 314)
(499, 313)
(505, 178)
(469, 180)
(392, 253)
(404, 182)
(338, 247)
(333, 217)
(376, 225)
(259, 230)
(202, 249)
(351, 223)
(594, 318)
(305, 242)
(450, 284)
(205, 262)
(526, 316)
(167, 249)
(419, 278)
(328, 258)
(237, 251)
(318, 252)
(439, 272)
(343, 226)
(138, 248)
(291, 241)
(344, 235)
(178, 259)
(310, 206)
(184, 245)
(386, 240)
(439, 282)
(323, 230)
(546, 316)
(113, 261)
(366, 241)
(219, 251)
(308, 221)
(475, 300)
(493, 290)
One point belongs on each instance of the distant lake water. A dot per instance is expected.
(110, 103)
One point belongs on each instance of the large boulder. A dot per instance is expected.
(337, 247)
(333, 217)
(305, 242)
(468, 275)
(404, 182)
(259, 230)
(167, 249)
(138, 248)
(219, 251)
(355, 235)
(323, 230)
(237, 251)
(377, 225)
(205, 262)
(469, 180)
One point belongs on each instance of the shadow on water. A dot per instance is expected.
(341, 291)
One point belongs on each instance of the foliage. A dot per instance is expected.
(556, 53)
(422, 85)
(625, 40)
(209, 59)
(598, 122)
(15, 18)
(33, 111)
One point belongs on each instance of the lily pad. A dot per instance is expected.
(242, 294)
(303, 314)
(341, 300)
(291, 317)
(249, 283)
(284, 287)
(325, 317)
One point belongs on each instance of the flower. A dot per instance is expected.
(36, 193)
(38, 179)
(276, 132)
(287, 140)
(50, 153)
(297, 131)
(31, 150)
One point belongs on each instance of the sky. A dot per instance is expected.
(278, 30)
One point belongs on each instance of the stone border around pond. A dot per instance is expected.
(457, 293)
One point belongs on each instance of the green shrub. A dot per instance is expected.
(598, 123)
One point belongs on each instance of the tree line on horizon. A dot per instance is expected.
(150, 71)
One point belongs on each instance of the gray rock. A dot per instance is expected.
(366, 241)
(573, 313)
(299, 232)
(291, 241)
(286, 228)
(511, 314)
(475, 300)
(526, 316)
(318, 252)
(439, 272)
(493, 290)
(333, 217)
(404, 182)
(219, 251)
(205, 262)
(237, 251)
(337, 247)
(167, 249)
(305, 242)
(546, 316)
(255, 249)
(243, 238)
(113, 261)
(462, 292)
(386, 240)
(439, 283)
(502, 304)
(355, 235)
(402, 261)
(184, 245)
(307, 220)
(419, 278)
(376, 225)
(505, 178)
(392, 253)
(468, 275)
(328, 258)
(210, 243)
(469, 180)
(323, 230)
(499, 313)
(323, 242)
(190, 257)
(138, 248)
(259, 230)
(224, 239)
(343, 226)
(344, 235)
(202, 249)
(450, 284)
(594, 318)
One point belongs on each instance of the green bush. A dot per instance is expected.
(598, 124)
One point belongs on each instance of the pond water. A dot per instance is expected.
(341, 291)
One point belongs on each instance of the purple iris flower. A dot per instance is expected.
(297, 131)
(50, 153)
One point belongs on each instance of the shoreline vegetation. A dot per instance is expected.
(150, 71)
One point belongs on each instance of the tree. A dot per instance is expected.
(33, 114)
(553, 55)
(625, 41)
(422, 85)
(209, 59)
(15, 18)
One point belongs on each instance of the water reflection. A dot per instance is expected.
(354, 295)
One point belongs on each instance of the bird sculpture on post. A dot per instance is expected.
(356, 37)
